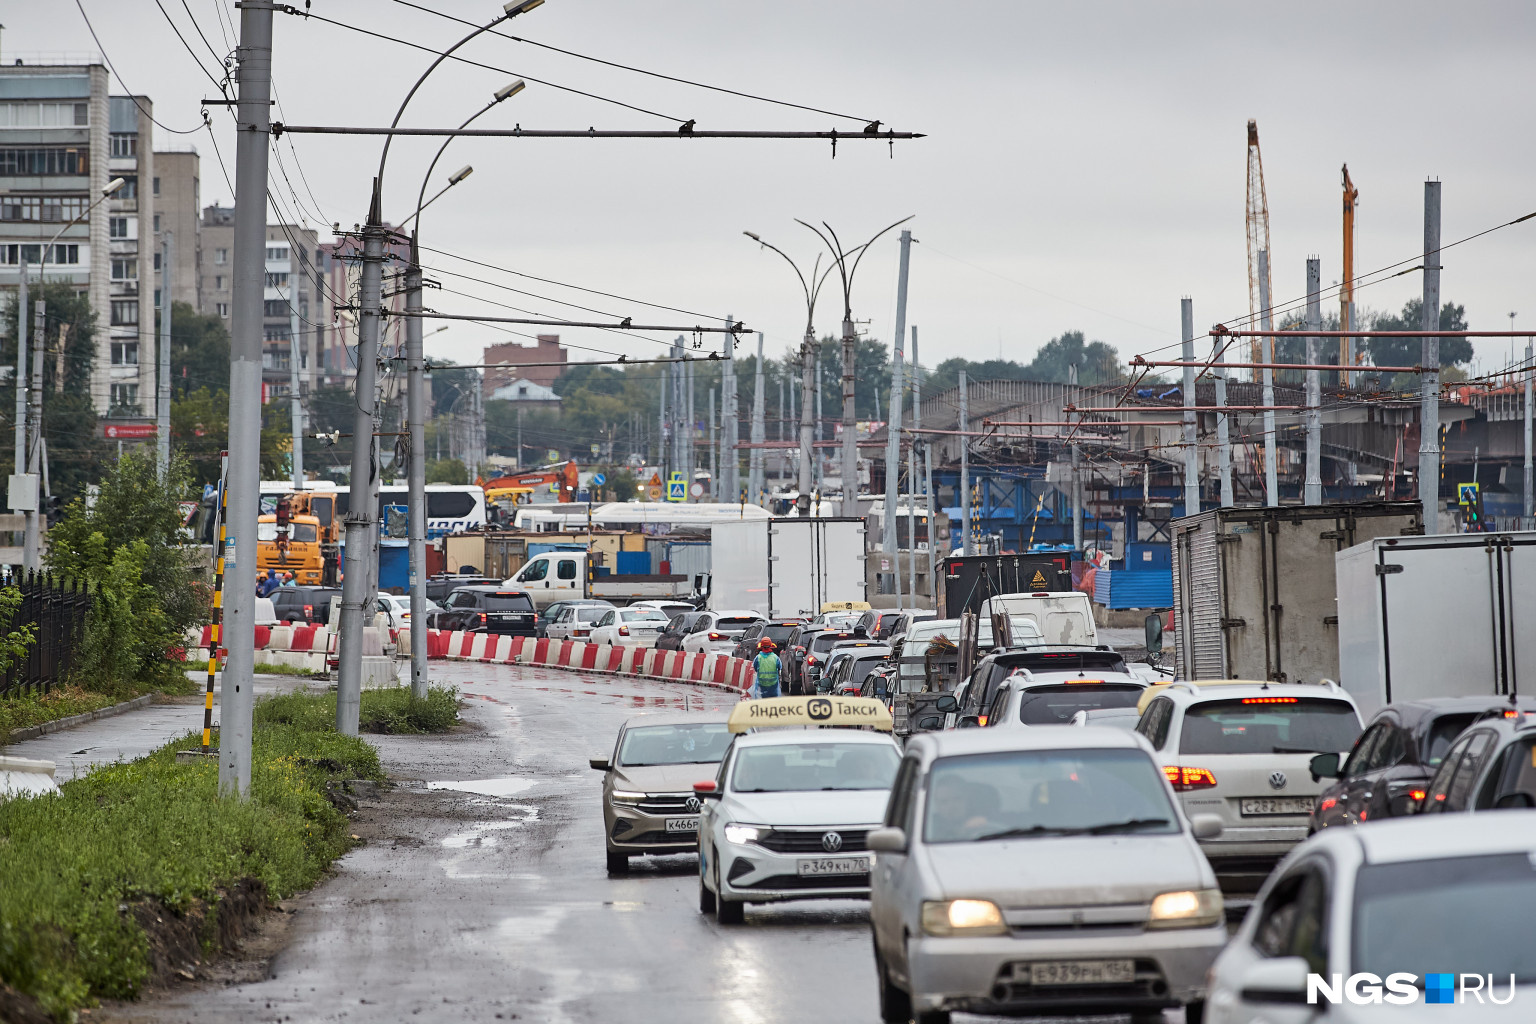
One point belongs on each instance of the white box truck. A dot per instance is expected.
(1436, 616)
(788, 566)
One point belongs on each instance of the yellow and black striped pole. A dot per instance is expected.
(214, 629)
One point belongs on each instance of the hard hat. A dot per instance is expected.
(765, 644)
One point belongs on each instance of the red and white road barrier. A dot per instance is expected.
(718, 670)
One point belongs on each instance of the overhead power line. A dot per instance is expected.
(131, 94)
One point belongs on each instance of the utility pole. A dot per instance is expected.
(965, 468)
(21, 369)
(1314, 480)
(933, 550)
(163, 362)
(1191, 430)
(1529, 504)
(893, 420)
(850, 431)
(917, 424)
(691, 437)
(715, 487)
(363, 508)
(416, 510)
(295, 401)
(32, 552)
(1429, 358)
(254, 75)
(778, 430)
(1077, 479)
(1267, 320)
(730, 411)
(1223, 438)
(756, 475)
(810, 410)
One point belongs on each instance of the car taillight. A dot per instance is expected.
(811, 660)
(799, 650)
(1270, 700)
(717, 636)
(580, 632)
(981, 719)
(1184, 779)
(1417, 795)
(309, 611)
(483, 619)
(623, 631)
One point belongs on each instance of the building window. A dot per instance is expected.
(125, 353)
(125, 269)
(222, 308)
(276, 333)
(125, 144)
(276, 280)
(277, 252)
(129, 189)
(274, 307)
(157, 222)
(221, 257)
(154, 183)
(46, 209)
(18, 161)
(157, 261)
(117, 227)
(125, 312)
(157, 298)
(42, 115)
(60, 254)
(125, 396)
(218, 282)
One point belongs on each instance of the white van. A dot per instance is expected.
(1063, 617)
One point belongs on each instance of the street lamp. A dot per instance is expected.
(811, 288)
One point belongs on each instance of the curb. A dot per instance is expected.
(32, 732)
(605, 672)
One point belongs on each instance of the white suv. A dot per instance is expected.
(1242, 750)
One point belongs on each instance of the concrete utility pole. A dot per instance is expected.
(730, 411)
(32, 552)
(1191, 429)
(163, 363)
(295, 399)
(1267, 320)
(243, 482)
(893, 420)
(917, 423)
(714, 450)
(363, 508)
(821, 472)
(850, 430)
(1429, 358)
(663, 435)
(1314, 482)
(21, 369)
(690, 435)
(1077, 477)
(416, 499)
(809, 400)
(1529, 505)
(933, 549)
(965, 468)
(755, 476)
(1223, 438)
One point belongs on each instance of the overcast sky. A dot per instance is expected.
(1084, 166)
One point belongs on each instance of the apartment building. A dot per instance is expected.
(177, 192)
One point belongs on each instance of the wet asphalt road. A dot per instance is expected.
(480, 893)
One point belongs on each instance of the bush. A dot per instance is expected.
(393, 710)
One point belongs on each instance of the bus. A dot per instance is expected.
(451, 508)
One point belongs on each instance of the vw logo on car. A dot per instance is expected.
(693, 804)
(832, 842)
(1277, 780)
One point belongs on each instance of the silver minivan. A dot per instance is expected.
(1040, 872)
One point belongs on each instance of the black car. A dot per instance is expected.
(443, 584)
(884, 625)
(682, 624)
(777, 630)
(310, 605)
(487, 609)
(796, 646)
(1403, 745)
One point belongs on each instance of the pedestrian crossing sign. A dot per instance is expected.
(677, 488)
(1466, 494)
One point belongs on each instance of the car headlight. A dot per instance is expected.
(742, 833)
(963, 917)
(1188, 908)
(624, 796)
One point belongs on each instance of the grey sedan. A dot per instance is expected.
(1040, 871)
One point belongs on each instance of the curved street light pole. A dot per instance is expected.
(359, 586)
(850, 341)
(812, 290)
(416, 410)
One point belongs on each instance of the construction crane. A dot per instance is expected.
(1258, 241)
(1347, 346)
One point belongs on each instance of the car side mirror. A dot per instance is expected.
(601, 764)
(1278, 980)
(969, 722)
(1514, 801)
(930, 723)
(1205, 826)
(945, 704)
(1324, 766)
(887, 840)
(1154, 628)
(709, 789)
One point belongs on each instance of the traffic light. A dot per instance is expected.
(1475, 513)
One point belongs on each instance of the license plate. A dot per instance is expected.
(1083, 972)
(1277, 805)
(682, 824)
(834, 866)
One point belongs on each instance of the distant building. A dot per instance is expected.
(526, 393)
(340, 265)
(177, 192)
(517, 359)
(215, 273)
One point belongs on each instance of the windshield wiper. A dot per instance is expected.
(1033, 830)
(1124, 826)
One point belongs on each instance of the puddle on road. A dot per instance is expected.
(507, 786)
(480, 836)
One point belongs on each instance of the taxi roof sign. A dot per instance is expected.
(827, 710)
(845, 606)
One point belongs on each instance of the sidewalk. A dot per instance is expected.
(134, 733)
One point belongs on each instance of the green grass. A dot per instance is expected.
(19, 711)
(289, 670)
(387, 711)
(72, 866)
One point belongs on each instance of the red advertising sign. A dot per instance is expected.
(128, 431)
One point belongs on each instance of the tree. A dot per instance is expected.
(199, 350)
(1097, 362)
(446, 471)
(1407, 351)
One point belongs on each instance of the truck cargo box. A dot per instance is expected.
(970, 580)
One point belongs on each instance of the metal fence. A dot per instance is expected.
(58, 611)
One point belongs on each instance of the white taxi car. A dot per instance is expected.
(788, 814)
(1242, 750)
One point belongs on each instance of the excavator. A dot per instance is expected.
(504, 492)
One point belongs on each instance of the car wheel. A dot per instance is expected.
(932, 1017)
(706, 898)
(895, 1004)
(618, 863)
(727, 911)
(1194, 1013)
